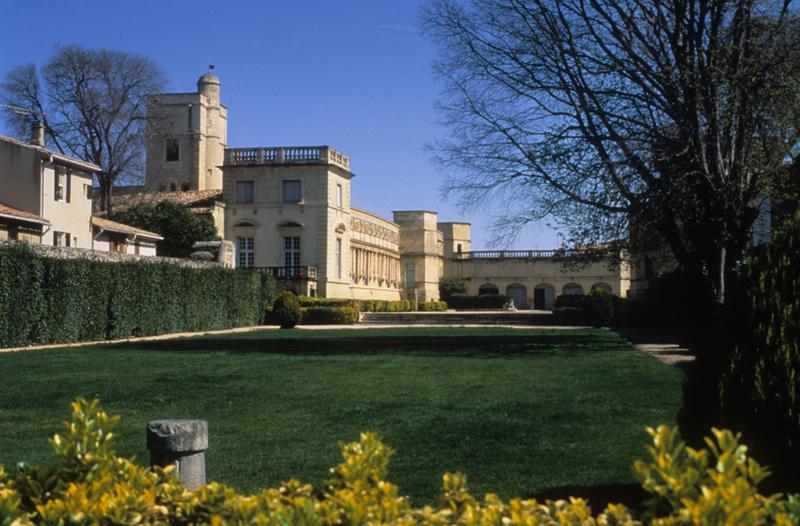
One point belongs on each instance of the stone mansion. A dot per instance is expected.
(288, 212)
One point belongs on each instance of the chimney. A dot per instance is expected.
(37, 133)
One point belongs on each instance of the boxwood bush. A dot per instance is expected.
(372, 305)
(50, 300)
(90, 484)
(286, 311)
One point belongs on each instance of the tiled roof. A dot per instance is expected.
(189, 198)
(16, 213)
(113, 226)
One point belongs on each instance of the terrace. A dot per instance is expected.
(286, 155)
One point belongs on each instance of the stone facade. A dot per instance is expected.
(287, 211)
(187, 135)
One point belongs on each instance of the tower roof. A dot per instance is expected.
(208, 77)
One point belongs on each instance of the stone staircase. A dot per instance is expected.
(531, 318)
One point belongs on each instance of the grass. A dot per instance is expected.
(522, 412)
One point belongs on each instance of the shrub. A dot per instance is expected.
(372, 305)
(450, 286)
(51, 300)
(90, 484)
(286, 310)
(329, 316)
(484, 301)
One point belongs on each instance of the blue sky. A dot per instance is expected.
(353, 74)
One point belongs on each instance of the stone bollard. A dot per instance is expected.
(182, 443)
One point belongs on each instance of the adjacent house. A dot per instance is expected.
(110, 236)
(46, 198)
(19, 225)
(52, 190)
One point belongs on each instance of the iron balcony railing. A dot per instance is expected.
(303, 272)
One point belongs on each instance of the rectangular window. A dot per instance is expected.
(339, 257)
(339, 195)
(61, 239)
(458, 249)
(291, 255)
(291, 192)
(87, 191)
(246, 248)
(411, 278)
(173, 150)
(60, 193)
(245, 192)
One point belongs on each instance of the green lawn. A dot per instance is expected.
(519, 411)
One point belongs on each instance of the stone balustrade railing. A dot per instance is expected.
(510, 254)
(286, 155)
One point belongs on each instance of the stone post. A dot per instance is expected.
(181, 443)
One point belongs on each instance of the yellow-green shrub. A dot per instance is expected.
(91, 485)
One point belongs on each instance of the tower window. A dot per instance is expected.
(339, 195)
(173, 150)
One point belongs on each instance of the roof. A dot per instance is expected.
(21, 215)
(193, 199)
(113, 226)
(65, 159)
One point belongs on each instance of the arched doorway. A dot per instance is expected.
(519, 294)
(544, 296)
(572, 289)
(488, 288)
(605, 287)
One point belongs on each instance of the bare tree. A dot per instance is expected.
(93, 105)
(667, 117)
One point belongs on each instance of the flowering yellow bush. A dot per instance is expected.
(91, 485)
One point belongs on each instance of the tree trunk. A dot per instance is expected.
(105, 195)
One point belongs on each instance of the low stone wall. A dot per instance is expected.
(114, 257)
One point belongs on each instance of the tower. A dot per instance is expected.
(187, 134)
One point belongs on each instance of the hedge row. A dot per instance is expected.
(90, 484)
(49, 300)
(484, 301)
(329, 316)
(372, 305)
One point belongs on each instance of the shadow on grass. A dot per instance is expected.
(473, 345)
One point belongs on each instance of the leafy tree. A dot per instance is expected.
(670, 119)
(176, 223)
(93, 105)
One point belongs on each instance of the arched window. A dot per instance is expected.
(544, 296)
(173, 187)
(488, 288)
(572, 289)
(518, 293)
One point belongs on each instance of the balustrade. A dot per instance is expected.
(286, 155)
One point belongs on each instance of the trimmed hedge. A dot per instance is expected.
(286, 310)
(49, 300)
(484, 301)
(595, 308)
(90, 484)
(329, 316)
(372, 305)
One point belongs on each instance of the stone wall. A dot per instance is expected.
(113, 257)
